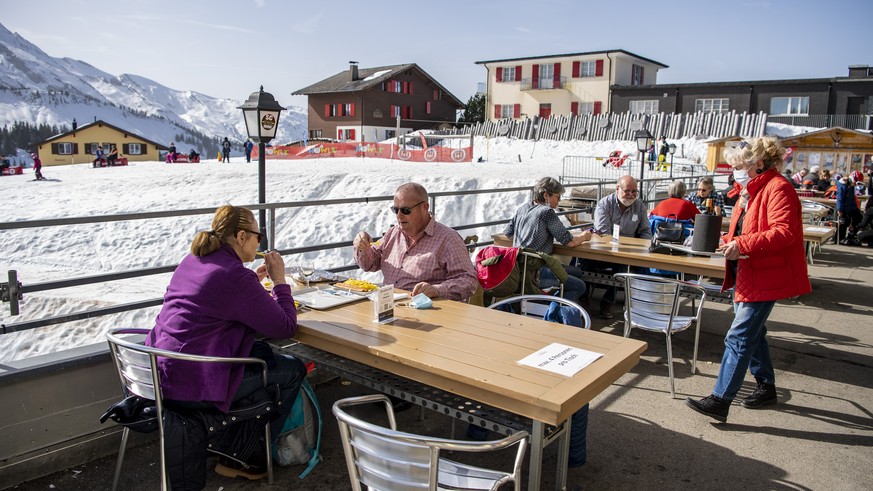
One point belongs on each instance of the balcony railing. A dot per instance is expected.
(544, 83)
(850, 121)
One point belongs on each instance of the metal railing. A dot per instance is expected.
(850, 121)
(13, 290)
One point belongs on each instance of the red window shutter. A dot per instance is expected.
(576, 65)
(518, 73)
(597, 107)
(410, 88)
(351, 134)
(557, 83)
(352, 109)
(598, 68)
(499, 74)
(574, 108)
(408, 112)
(516, 111)
(339, 134)
(535, 77)
(390, 86)
(393, 111)
(327, 110)
(496, 115)
(435, 95)
(427, 107)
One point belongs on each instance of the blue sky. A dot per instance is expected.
(226, 48)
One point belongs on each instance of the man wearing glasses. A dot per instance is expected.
(419, 254)
(622, 208)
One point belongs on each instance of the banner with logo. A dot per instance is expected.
(371, 150)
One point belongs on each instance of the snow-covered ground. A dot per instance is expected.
(54, 253)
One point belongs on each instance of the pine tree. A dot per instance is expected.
(474, 110)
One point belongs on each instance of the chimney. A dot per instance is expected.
(75, 124)
(353, 71)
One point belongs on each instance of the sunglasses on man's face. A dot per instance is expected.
(406, 210)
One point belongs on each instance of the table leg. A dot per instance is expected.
(536, 455)
(563, 457)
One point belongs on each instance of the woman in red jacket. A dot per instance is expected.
(765, 262)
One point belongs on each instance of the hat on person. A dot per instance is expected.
(814, 168)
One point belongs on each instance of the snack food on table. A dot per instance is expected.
(357, 285)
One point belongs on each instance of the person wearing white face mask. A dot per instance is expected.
(764, 262)
(622, 208)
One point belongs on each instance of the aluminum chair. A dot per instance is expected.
(538, 305)
(389, 460)
(652, 304)
(137, 367)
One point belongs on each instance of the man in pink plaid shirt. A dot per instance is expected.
(419, 254)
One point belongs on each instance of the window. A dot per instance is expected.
(390, 134)
(585, 108)
(134, 149)
(588, 69)
(330, 110)
(545, 110)
(508, 74)
(314, 134)
(397, 87)
(711, 105)
(783, 106)
(506, 111)
(437, 94)
(404, 112)
(637, 75)
(65, 149)
(348, 134)
(644, 107)
(348, 109)
(427, 107)
(547, 76)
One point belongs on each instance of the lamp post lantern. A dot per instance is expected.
(672, 149)
(261, 115)
(643, 138)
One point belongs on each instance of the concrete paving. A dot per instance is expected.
(819, 435)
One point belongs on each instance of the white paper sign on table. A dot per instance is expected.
(561, 359)
(616, 233)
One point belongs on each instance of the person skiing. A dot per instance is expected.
(225, 150)
(37, 167)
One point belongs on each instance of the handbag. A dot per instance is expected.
(670, 231)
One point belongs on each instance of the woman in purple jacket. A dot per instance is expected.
(216, 306)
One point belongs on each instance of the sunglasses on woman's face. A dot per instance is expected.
(406, 210)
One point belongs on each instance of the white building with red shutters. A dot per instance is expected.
(565, 84)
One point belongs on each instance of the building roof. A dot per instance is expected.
(367, 79)
(567, 55)
(104, 123)
(745, 82)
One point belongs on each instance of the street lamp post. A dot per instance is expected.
(672, 149)
(643, 138)
(261, 115)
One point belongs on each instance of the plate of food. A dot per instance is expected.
(357, 286)
(324, 298)
(306, 275)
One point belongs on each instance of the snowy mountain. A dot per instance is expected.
(39, 89)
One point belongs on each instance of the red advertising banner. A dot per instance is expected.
(368, 150)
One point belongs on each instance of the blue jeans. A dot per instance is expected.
(745, 347)
(288, 373)
(574, 288)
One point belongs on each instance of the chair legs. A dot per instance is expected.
(670, 366)
(124, 433)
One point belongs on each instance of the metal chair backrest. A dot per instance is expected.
(538, 305)
(654, 299)
(137, 367)
(389, 460)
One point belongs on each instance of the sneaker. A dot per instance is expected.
(606, 310)
(711, 406)
(231, 468)
(764, 395)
